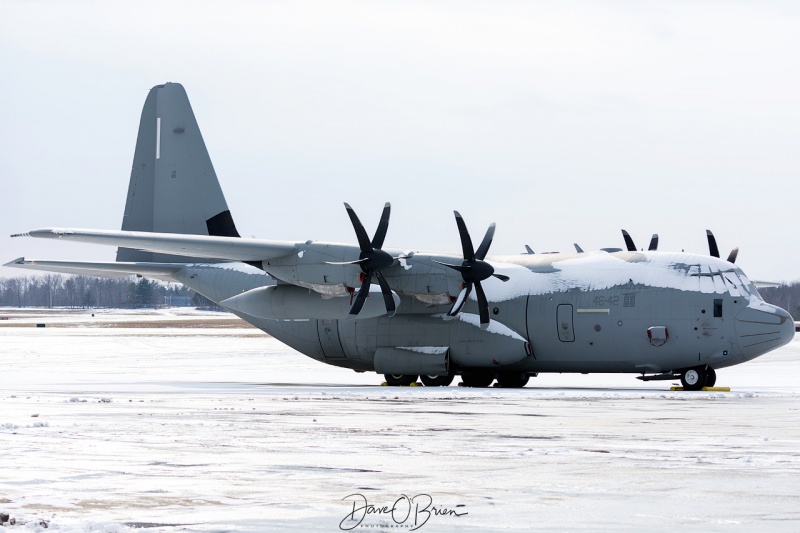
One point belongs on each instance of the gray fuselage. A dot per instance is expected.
(647, 312)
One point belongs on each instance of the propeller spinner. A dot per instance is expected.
(473, 270)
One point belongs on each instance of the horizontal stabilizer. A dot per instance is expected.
(767, 284)
(105, 270)
(226, 248)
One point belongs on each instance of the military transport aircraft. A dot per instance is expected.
(428, 315)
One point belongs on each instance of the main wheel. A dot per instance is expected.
(399, 380)
(477, 378)
(694, 378)
(711, 377)
(437, 381)
(512, 380)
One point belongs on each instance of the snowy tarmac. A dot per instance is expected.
(224, 429)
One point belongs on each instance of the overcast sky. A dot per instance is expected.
(560, 121)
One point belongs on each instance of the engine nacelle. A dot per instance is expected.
(287, 302)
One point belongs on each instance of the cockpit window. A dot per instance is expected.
(748, 286)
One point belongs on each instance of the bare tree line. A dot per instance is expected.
(57, 290)
(785, 296)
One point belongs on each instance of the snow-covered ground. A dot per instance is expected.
(225, 429)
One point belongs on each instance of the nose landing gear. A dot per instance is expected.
(698, 377)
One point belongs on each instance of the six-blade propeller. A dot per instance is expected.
(372, 259)
(473, 270)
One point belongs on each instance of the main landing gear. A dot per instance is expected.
(483, 378)
(469, 378)
(512, 380)
(698, 377)
(477, 378)
(404, 380)
(437, 381)
(399, 380)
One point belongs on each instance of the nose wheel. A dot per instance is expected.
(711, 377)
(698, 377)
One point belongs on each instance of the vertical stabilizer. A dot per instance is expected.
(173, 186)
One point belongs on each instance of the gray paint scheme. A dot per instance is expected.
(574, 312)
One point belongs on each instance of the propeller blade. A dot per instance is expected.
(460, 268)
(483, 305)
(460, 301)
(628, 241)
(474, 270)
(466, 241)
(356, 262)
(387, 294)
(361, 233)
(361, 297)
(383, 225)
(712, 244)
(732, 256)
(483, 249)
(653, 243)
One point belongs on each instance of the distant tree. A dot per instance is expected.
(785, 296)
(140, 293)
(88, 299)
(14, 291)
(70, 291)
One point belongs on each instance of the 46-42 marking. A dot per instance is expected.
(606, 300)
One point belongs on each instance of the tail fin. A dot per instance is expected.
(173, 187)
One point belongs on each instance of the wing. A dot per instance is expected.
(225, 248)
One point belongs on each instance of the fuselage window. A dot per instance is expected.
(718, 308)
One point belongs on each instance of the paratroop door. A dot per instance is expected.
(566, 333)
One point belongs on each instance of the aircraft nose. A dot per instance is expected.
(761, 327)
